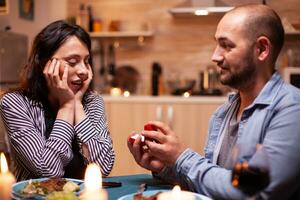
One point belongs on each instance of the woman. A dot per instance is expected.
(55, 124)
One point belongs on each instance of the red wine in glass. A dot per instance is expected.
(251, 175)
(249, 179)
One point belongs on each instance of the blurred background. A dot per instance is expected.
(143, 48)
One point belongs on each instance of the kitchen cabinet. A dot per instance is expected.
(295, 35)
(122, 37)
(120, 34)
(188, 117)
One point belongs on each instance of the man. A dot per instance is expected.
(265, 111)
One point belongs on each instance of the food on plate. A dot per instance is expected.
(49, 185)
(139, 196)
(62, 195)
(70, 187)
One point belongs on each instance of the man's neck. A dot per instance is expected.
(249, 93)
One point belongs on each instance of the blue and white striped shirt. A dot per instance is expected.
(35, 156)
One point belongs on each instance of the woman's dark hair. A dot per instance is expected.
(33, 83)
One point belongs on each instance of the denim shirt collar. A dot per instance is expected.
(266, 95)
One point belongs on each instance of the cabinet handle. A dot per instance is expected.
(159, 113)
(170, 116)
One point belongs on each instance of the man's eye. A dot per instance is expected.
(226, 47)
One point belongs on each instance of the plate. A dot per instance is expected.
(17, 187)
(152, 192)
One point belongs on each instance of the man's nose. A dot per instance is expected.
(217, 55)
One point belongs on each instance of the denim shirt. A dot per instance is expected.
(273, 119)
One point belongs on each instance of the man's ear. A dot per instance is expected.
(263, 48)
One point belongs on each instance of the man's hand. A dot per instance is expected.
(142, 157)
(163, 144)
(57, 85)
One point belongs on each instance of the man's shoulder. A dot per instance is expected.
(289, 93)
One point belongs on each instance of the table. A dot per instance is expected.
(131, 184)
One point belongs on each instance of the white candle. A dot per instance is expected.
(6, 180)
(93, 184)
(176, 194)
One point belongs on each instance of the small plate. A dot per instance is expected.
(17, 187)
(152, 192)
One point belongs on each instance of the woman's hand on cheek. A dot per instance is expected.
(58, 86)
(85, 85)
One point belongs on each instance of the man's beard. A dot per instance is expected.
(242, 78)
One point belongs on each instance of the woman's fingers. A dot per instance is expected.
(51, 72)
(56, 77)
(55, 74)
(52, 75)
(51, 69)
(45, 71)
(65, 74)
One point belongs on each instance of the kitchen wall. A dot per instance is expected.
(183, 46)
(44, 13)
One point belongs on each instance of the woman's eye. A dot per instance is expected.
(72, 62)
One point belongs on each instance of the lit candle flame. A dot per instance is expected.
(176, 193)
(4, 167)
(93, 184)
(7, 179)
(93, 178)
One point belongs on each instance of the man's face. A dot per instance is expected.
(234, 53)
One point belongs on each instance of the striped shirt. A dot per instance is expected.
(35, 156)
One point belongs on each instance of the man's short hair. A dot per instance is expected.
(261, 20)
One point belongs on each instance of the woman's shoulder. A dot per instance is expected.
(12, 97)
(16, 98)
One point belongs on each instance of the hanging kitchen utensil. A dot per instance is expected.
(102, 60)
(111, 60)
(111, 63)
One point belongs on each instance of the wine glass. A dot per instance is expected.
(251, 171)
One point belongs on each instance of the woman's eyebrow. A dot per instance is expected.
(71, 56)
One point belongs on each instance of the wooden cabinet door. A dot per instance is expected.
(188, 120)
(124, 118)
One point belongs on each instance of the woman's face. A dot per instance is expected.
(76, 55)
